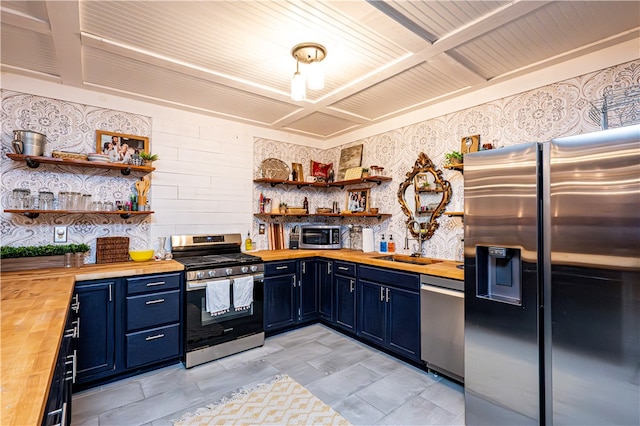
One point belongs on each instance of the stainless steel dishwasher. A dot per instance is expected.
(442, 325)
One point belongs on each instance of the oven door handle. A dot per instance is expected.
(200, 285)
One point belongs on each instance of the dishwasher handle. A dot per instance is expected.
(441, 290)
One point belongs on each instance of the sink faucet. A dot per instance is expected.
(411, 224)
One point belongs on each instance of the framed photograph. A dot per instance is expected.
(297, 167)
(349, 158)
(470, 144)
(105, 141)
(358, 200)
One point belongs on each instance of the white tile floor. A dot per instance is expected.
(364, 385)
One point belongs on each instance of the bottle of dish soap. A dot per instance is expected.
(391, 245)
(248, 244)
(383, 245)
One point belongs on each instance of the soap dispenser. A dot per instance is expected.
(383, 245)
(391, 245)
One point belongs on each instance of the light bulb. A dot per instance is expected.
(315, 76)
(298, 89)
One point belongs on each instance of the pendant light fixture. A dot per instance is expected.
(312, 55)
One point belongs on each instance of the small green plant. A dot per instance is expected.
(7, 252)
(454, 157)
(283, 204)
(148, 157)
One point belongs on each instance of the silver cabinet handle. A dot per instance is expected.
(156, 283)
(75, 306)
(110, 292)
(282, 267)
(157, 336)
(75, 364)
(387, 295)
(382, 294)
(351, 286)
(329, 268)
(304, 267)
(293, 281)
(153, 302)
(74, 332)
(343, 268)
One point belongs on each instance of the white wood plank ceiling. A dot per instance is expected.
(232, 59)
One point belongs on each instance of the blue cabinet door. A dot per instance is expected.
(96, 342)
(308, 291)
(403, 323)
(345, 307)
(371, 312)
(280, 307)
(325, 290)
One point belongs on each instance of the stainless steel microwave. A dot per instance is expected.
(320, 237)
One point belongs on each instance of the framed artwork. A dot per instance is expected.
(358, 200)
(105, 141)
(470, 144)
(297, 167)
(421, 181)
(353, 173)
(349, 157)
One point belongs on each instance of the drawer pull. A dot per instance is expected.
(157, 336)
(343, 268)
(156, 283)
(153, 302)
(282, 267)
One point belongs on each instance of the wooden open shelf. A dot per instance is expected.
(32, 213)
(338, 215)
(338, 184)
(34, 162)
(452, 214)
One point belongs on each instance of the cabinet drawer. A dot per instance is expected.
(280, 268)
(153, 309)
(148, 283)
(344, 268)
(152, 345)
(391, 278)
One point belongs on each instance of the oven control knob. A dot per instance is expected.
(244, 269)
(229, 271)
(254, 268)
(211, 274)
(200, 275)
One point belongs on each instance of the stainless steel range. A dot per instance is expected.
(224, 296)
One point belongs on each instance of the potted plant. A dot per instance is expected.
(148, 158)
(283, 208)
(39, 257)
(453, 158)
(365, 172)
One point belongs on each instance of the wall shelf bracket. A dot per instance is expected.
(31, 163)
(126, 171)
(31, 215)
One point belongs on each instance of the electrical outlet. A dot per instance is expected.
(60, 234)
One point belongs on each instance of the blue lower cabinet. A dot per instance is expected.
(389, 311)
(325, 289)
(148, 310)
(308, 290)
(280, 307)
(152, 345)
(345, 306)
(96, 345)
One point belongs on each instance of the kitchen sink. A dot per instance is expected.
(408, 259)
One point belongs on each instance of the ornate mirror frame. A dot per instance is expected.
(423, 230)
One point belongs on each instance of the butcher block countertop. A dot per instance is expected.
(445, 268)
(33, 309)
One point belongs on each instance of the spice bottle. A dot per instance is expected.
(391, 245)
(305, 205)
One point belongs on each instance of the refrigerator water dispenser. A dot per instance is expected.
(499, 274)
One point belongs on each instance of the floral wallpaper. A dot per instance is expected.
(69, 127)
(556, 110)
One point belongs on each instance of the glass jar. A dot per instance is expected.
(74, 200)
(85, 204)
(161, 252)
(46, 200)
(63, 200)
(21, 198)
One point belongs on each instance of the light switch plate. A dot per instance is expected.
(60, 234)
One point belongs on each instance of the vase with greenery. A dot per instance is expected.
(148, 158)
(283, 208)
(453, 158)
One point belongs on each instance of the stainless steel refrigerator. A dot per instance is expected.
(552, 282)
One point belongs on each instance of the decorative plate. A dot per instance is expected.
(272, 168)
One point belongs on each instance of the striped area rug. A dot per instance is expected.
(281, 402)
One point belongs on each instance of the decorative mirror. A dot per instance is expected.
(423, 197)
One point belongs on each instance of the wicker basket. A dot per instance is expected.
(296, 210)
(69, 155)
(112, 249)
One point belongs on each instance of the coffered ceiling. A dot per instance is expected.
(232, 59)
